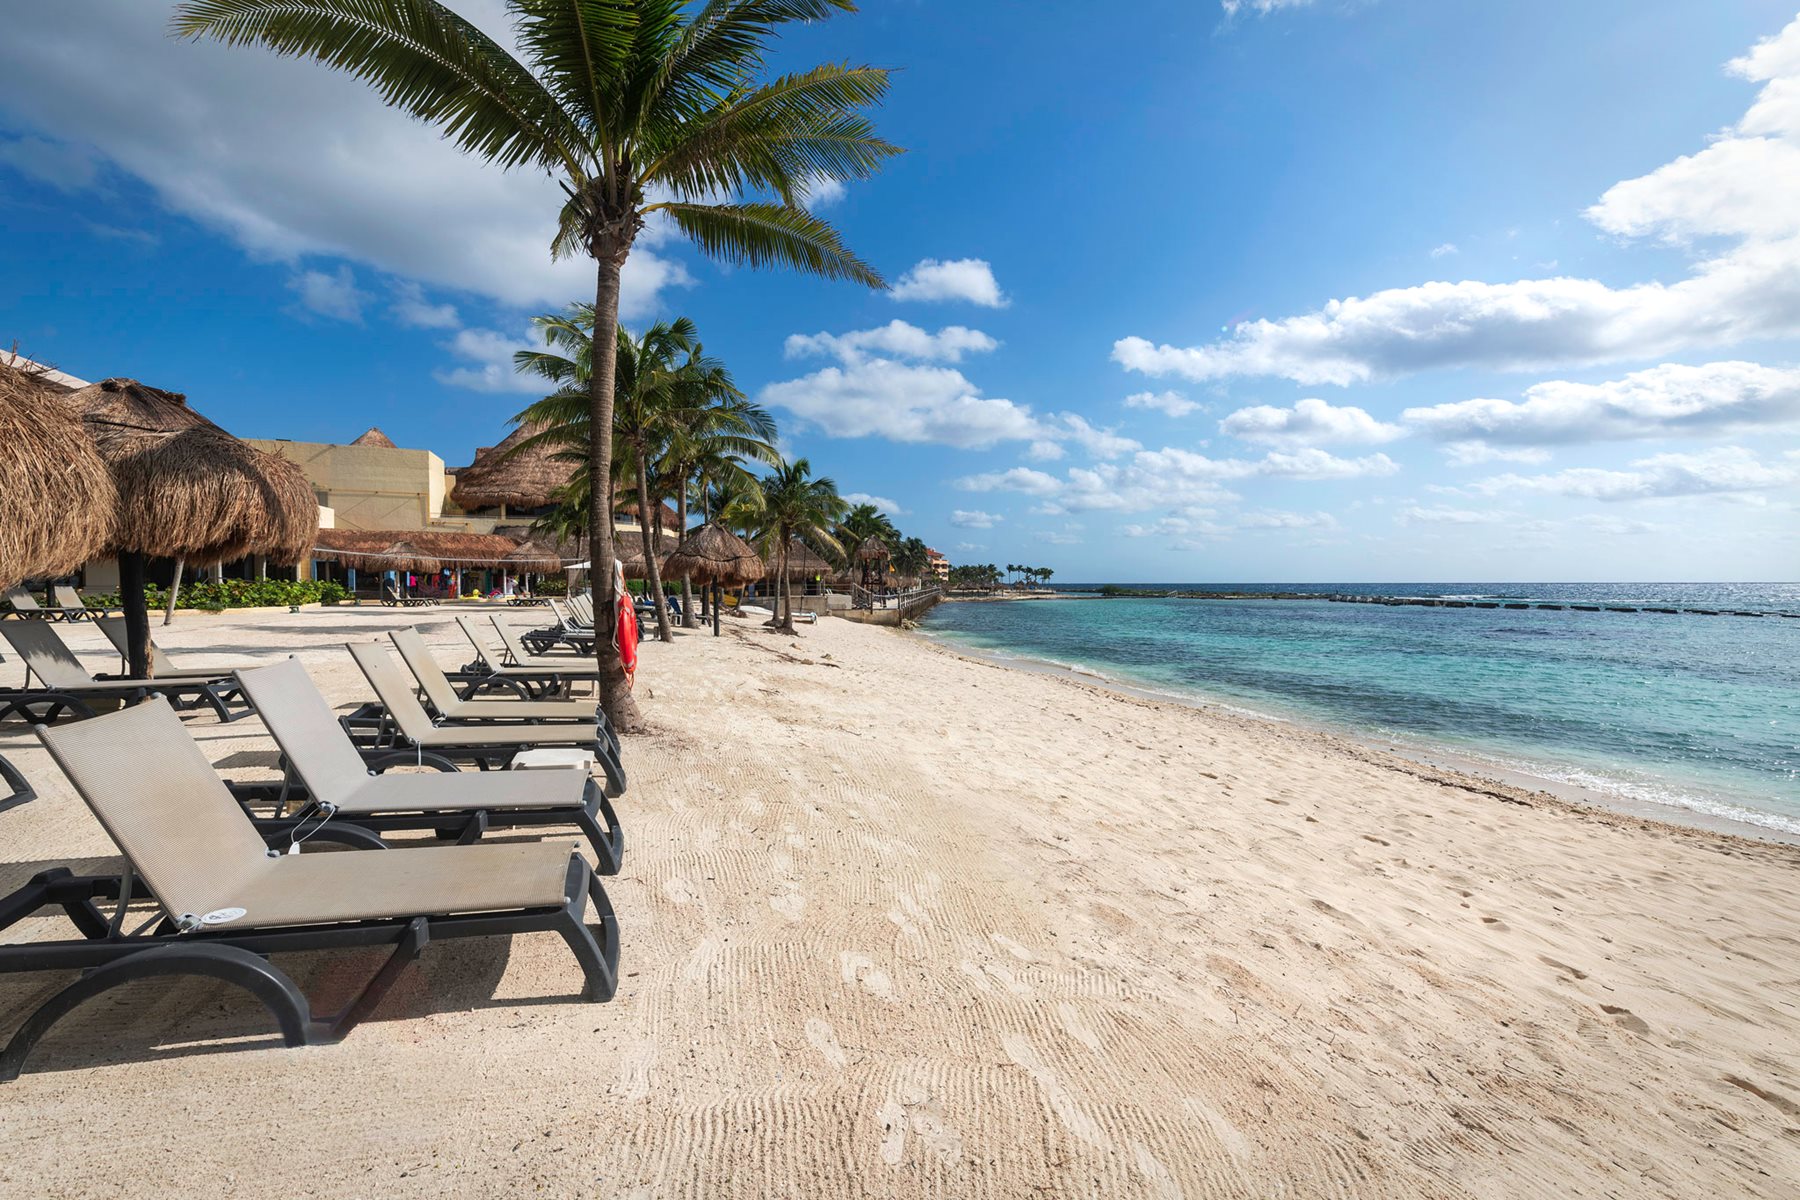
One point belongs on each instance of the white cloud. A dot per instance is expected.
(1101, 443)
(1276, 519)
(333, 295)
(1443, 251)
(897, 338)
(1058, 539)
(881, 502)
(411, 309)
(1171, 404)
(1744, 186)
(970, 279)
(491, 353)
(1261, 8)
(290, 159)
(1309, 422)
(1474, 452)
(965, 518)
(822, 192)
(1169, 478)
(1415, 515)
(966, 547)
(1672, 400)
(903, 402)
(64, 167)
(1045, 450)
(1723, 471)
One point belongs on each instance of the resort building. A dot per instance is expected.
(937, 567)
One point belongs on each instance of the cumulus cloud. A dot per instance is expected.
(1053, 538)
(1443, 251)
(1672, 400)
(881, 502)
(1727, 470)
(1415, 515)
(967, 279)
(897, 338)
(1475, 452)
(904, 402)
(64, 167)
(411, 309)
(1307, 423)
(333, 295)
(1170, 404)
(1101, 443)
(974, 518)
(489, 355)
(1018, 479)
(1045, 450)
(286, 158)
(1276, 519)
(1743, 187)
(1261, 8)
(822, 192)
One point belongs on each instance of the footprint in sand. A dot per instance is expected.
(824, 1039)
(1565, 968)
(1011, 947)
(1078, 1029)
(893, 1122)
(790, 904)
(1626, 1018)
(860, 968)
(679, 890)
(1061, 1102)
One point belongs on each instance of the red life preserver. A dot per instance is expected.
(628, 637)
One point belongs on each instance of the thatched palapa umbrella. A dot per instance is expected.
(189, 490)
(714, 555)
(873, 550)
(804, 562)
(534, 558)
(58, 504)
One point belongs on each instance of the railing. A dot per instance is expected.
(907, 603)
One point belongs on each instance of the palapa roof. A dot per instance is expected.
(505, 474)
(628, 547)
(366, 548)
(58, 503)
(872, 549)
(534, 556)
(803, 561)
(187, 488)
(714, 554)
(372, 436)
(665, 512)
(404, 556)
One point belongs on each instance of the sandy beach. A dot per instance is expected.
(903, 923)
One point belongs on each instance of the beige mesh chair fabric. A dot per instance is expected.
(51, 660)
(161, 666)
(490, 661)
(568, 664)
(393, 688)
(157, 796)
(567, 617)
(438, 692)
(23, 601)
(321, 753)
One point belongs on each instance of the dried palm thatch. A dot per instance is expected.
(871, 550)
(533, 557)
(714, 554)
(58, 503)
(666, 515)
(803, 562)
(628, 547)
(366, 548)
(527, 477)
(404, 556)
(374, 437)
(188, 489)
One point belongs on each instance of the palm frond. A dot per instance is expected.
(763, 235)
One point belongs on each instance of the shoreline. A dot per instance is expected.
(1513, 785)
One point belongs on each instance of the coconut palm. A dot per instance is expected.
(865, 521)
(796, 505)
(911, 558)
(643, 110)
(721, 435)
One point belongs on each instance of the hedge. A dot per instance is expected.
(237, 593)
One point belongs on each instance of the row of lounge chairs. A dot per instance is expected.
(68, 605)
(216, 860)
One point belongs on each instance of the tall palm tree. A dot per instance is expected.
(796, 505)
(722, 433)
(641, 109)
(912, 557)
(865, 521)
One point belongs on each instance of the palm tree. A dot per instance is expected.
(911, 558)
(717, 440)
(865, 521)
(642, 110)
(796, 505)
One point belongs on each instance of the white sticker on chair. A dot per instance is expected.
(220, 916)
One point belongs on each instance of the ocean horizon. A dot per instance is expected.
(1684, 717)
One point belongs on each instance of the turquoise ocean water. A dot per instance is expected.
(1670, 715)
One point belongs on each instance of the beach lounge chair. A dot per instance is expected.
(73, 602)
(565, 632)
(539, 676)
(223, 903)
(403, 723)
(68, 688)
(326, 773)
(26, 606)
(163, 668)
(16, 790)
(441, 697)
(518, 656)
(392, 598)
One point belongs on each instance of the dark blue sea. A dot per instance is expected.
(1674, 715)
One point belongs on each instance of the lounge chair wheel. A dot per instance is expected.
(251, 972)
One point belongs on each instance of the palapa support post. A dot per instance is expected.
(137, 615)
(717, 599)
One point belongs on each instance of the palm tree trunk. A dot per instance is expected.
(784, 589)
(615, 692)
(174, 591)
(652, 548)
(137, 617)
(687, 587)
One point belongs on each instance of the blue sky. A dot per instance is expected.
(1259, 290)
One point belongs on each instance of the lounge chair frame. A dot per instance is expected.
(48, 704)
(109, 957)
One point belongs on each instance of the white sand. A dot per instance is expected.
(899, 923)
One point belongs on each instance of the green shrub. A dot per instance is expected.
(237, 593)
